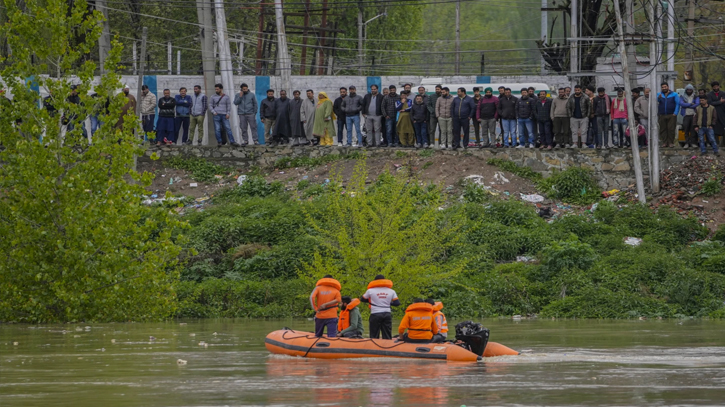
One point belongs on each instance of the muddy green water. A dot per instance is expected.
(563, 363)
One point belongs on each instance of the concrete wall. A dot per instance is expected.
(612, 168)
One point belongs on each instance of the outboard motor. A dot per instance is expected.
(473, 335)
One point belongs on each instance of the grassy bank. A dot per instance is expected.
(257, 251)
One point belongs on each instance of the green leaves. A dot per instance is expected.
(81, 246)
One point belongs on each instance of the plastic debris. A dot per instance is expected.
(500, 178)
(193, 185)
(180, 362)
(534, 198)
(632, 241)
(525, 259)
(476, 179)
(241, 179)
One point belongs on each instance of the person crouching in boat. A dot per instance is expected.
(350, 324)
(419, 322)
(324, 300)
(381, 297)
(440, 319)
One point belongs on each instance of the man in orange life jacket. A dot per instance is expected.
(324, 300)
(440, 320)
(419, 322)
(381, 297)
(350, 324)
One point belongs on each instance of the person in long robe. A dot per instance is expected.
(324, 118)
(404, 128)
(307, 115)
(282, 130)
(298, 131)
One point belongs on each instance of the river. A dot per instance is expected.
(578, 362)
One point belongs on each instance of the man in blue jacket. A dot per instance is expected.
(462, 109)
(668, 106)
(183, 111)
(247, 111)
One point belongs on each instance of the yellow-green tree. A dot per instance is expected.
(76, 242)
(394, 227)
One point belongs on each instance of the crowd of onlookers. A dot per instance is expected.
(572, 118)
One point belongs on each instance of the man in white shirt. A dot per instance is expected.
(381, 297)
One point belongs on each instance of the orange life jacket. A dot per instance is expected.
(419, 322)
(380, 283)
(344, 321)
(327, 289)
(440, 318)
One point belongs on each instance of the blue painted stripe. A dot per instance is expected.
(150, 81)
(261, 84)
(483, 79)
(374, 80)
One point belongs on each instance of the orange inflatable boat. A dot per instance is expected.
(305, 344)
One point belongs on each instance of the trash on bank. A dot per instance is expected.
(632, 241)
(525, 259)
(534, 198)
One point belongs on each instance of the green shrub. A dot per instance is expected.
(713, 185)
(512, 167)
(251, 187)
(567, 255)
(603, 303)
(574, 185)
(201, 170)
(426, 153)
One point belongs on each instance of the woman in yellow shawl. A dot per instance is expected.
(323, 128)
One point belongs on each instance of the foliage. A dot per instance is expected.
(567, 255)
(222, 298)
(381, 230)
(574, 185)
(713, 185)
(512, 167)
(253, 186)
(77, 243)
(201, 170)
(475, 193)
(311, 162)
(426, 153)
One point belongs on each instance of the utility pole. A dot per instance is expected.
(285, 63)
(628, 20)
(360, 59)
(689, 75)
(303, 62)
(654, 59)
(630, 109)
(208, 60)
(135, 59)
(178, 62)
(104, 41)
(574, 53)
(168, 57)
(544, 31)
(323, 33)
(225, 61)
(458, 37)
(671, 41)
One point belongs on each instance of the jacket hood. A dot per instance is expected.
(689, 86)
(420, 306)
(438, 306)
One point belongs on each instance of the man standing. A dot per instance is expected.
(601, 107)
(307, 115)
(641, 108)
(668, 106)
(524, 114)
(501, 94)
(542, 111)
(534, 98)
(476, 123)
(716, 99)
(268, 113)
(324, 300)
(590, 91)
(507, 112)
(282, 128)
(183, 111)
(390, 113)
(341, 119)
(148, 109)
(486, 116)
(705, 119)
(567, 91)
(381, 297)
(463, 109)
(352, 106)
(221, 108)
(373, 112)
(199, 105)
(443, 112)
(167, 113)
(619, 119)
(560, 120)
(688, 102)
(577, 108)
(433, 121)
(246, 103)
(130, 106)
(298, 131)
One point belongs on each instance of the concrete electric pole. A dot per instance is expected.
(225, 61)
(285, 64)
(208, 61)
(630, 109)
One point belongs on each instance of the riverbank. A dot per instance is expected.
(254, 248)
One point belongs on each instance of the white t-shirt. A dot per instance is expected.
(380, 299)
